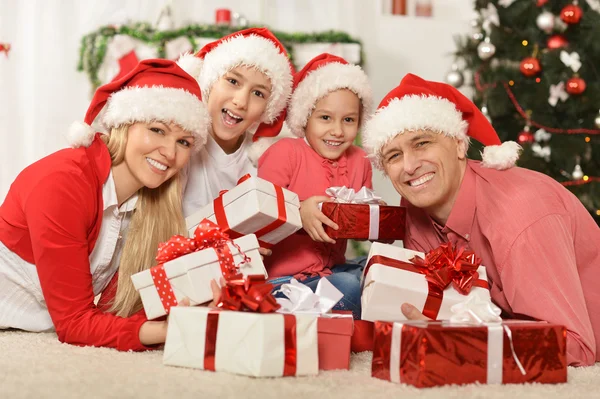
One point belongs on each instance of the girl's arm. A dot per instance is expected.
(278, 163)
(60, 215)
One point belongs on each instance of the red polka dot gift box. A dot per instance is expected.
(187, 265)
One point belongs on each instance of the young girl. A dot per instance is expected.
(246, 80)
(331, 99)
(74, 218)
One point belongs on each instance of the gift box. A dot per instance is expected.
(432, 282)
(163, 286)
(335, 329)
(254, 206)
(362, 336)
(335, 334)
(360, 216)
(427, 354)
(253, 344)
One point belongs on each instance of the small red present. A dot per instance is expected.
(362, 337)
(360, 216)
(335, 333)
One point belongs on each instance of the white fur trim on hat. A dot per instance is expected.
(157, 103)
(191, 64)
(256, 51)
(80, 134)
(503, 156)
(322, 81)
(411, 113)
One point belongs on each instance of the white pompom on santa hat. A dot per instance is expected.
(418, 104)
(155, 90)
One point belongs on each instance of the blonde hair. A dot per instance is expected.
(157, 216)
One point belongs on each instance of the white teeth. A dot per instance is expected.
(239, 118)
(333, 143)
(421, 180)
(156, 164)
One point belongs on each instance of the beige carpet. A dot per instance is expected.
(38, 366)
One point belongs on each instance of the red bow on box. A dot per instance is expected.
(250, 294)
(441, 267)
(206, 235)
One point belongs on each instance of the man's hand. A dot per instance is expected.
(313, 219)
(412, 313)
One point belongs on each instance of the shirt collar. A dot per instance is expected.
(109, 196)
(462, 215)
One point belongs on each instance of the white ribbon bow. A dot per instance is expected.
(301, 299)
(478, 311)
(571, 60)
(344, 195)
(557, 92)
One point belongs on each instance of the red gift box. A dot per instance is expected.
(362, 337)
(334, 342)
(427, 354)
(354, 221)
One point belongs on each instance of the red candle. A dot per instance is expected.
(399, 7)
(223, 16)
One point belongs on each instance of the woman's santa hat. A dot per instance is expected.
(418, 104)
(322, 75)
(155, 90)
(258, 48)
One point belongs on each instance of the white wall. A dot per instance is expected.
(41, 93)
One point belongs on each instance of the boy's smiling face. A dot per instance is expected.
(236, 102)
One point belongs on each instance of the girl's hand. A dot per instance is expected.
(313, 219)
(216, 291)
(264, 252)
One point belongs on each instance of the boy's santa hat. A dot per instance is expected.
(420, 104)
(155, 90)
(254, 47)
(322, 75)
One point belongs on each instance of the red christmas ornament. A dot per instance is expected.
(571, 14)
(540, 3)
(530, 66)
(525, 137)
(557, 41)
(575, 86)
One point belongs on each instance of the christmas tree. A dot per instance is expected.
(535, 68)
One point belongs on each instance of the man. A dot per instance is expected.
(539, 244)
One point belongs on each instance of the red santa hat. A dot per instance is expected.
(420, 104)
(322, 75)
(155, 90)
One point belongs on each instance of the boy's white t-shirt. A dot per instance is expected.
(212, 170)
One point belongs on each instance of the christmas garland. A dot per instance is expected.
(94, 45)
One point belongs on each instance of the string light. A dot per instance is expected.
(511, 82)
(588, 139)
(586, 178)
(598, 212)
(525, 42)
(538, 80)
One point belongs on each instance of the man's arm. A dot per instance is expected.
(540, 279)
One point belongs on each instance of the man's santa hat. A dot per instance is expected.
(155, 90)
(418, 104)
(322, 75)
(255, 47)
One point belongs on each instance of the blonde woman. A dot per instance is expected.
(74, 219)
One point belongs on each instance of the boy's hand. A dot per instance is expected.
(313, 219)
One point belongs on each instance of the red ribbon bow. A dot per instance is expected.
(5, 48)
(445, 265)
(251, 294)
(206, 235)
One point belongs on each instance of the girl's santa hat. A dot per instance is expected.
(155, 90)
(420, 104)
(322, 75)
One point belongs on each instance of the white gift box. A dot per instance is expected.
(251, 206)
(385, 288)
(190, 275)
(246, 343)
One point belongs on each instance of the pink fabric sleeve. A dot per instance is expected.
(278, 163)
(58, 213)
(368, 174)
(540, 279)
